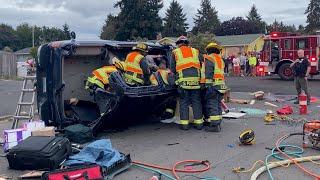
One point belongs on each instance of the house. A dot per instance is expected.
(23, 54)
(234, 44)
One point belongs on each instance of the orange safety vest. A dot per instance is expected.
(218, 71)
(102, 74)
(164, 73)
(187, 58)
(133, 70)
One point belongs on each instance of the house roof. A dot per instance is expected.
(24, 51)
(237, 40)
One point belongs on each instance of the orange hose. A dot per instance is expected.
(292, 159)
(174, 169)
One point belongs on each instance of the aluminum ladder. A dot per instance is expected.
(30, 78)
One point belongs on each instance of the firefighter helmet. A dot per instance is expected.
(247, 137)
(182, 40)
(120, 65)
(141, 47)
(213, 45)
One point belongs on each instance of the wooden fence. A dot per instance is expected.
(8, 65)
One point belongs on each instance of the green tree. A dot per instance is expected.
(281, 27)
(255, 20)
(139, 19)
(66, 31)
(206, 19)
(301, 29)
(109, 29)
(34, 52)
(24, 34)
(8, 37)
(175, 21)
(313, 16)
(201, 40)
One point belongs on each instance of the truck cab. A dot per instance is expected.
(280, 50)
(63, 68)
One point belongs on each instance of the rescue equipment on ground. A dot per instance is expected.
(303, 105)
(311, 134)
(247, 137)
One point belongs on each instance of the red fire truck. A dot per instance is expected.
(280, 50)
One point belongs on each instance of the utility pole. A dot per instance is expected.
(32, 36)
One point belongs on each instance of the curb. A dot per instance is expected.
(5, 118)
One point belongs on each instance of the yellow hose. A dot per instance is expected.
(259, 171)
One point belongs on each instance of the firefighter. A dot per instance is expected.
(98, 83)
(137, 71)
(163, 72)
(214, 86)
(187, 70)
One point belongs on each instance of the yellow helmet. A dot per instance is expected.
(141, 47)
(213, 45)
(120, 65)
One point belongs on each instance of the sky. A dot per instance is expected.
(86, 17)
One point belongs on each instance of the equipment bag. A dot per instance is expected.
(79, 133)
(86, 172)
(39, 152)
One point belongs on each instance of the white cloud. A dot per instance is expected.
(87, 17)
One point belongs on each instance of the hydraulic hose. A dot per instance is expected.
(174, 169)
(259, 171)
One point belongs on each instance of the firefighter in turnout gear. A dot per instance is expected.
(98, 83)
(137, 69)
(214, 81)
(187, 70)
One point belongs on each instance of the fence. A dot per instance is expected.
(8, 65)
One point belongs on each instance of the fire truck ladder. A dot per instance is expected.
(27, 89)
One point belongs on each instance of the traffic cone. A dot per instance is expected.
(303, 106)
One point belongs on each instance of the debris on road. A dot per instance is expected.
(270, 104)
(239, 101)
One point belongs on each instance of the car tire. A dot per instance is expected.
(285, 72)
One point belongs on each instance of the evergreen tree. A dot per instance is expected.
(7, 37)
(109, 30)
(139, 19)
(175, 20)
(253, 14)
(255, 20)
(301, 29)
(206, 19)
(313, 16)
(66, 31)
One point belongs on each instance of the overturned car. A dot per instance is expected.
(63, 68)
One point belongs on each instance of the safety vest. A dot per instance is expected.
(252, 61)
(100, 76)
(164, 73)
(134, 72)
(218, 78)
(187, 58)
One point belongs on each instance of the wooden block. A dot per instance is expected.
(32, 175)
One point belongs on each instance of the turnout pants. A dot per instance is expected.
(213, 109)
(190, 97)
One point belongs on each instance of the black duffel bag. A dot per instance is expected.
(39, 153)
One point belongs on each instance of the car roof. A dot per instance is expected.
(103, 43)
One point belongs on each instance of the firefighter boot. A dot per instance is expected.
(198, 124)
(184, 126)
(213, 127)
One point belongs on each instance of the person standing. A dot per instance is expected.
(214, 86)
(252, 64)
(236, 65)
(243, 61)
(301, 68)
(226, 63)
(187, 69)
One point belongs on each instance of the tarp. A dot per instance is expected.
(99, 152)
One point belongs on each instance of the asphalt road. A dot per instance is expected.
(151, 142)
